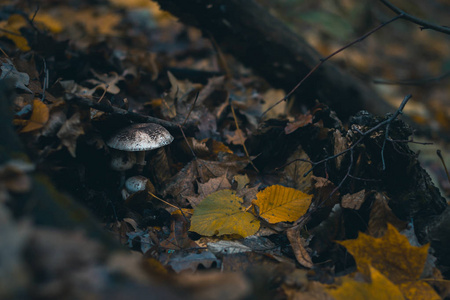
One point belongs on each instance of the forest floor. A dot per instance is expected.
(239, 200)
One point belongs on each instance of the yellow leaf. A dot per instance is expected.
(282, 204)
(12, 27)
(49, 22)
(418, 290)
(379, 288)
(38, 118)
(222, 213)
(391, 254)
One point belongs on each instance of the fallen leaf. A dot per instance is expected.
(241, 180)
(340, 144)
(300, 121)
(282, 204)
(391, 254)
(294, 173)
(379, 288)
(21, 80)
(380, 215)
(418, 290)
(70, 131)
(235, 137)
(106, 82)
(12, 31)
(205, 189)
(353, 201)
(300, 252)
(181, 262)
(39, 116)
(222, 213)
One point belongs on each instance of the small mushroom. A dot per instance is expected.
(136, 184)
(140, 138)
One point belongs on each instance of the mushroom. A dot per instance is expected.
(140, 138)
(136, 184)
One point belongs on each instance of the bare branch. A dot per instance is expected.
(424, 24)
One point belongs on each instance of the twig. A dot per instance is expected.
(416, 82)
(238, 131)
(323, 60)
(424, 24)
(351, 149)
(71, 98)
(439, 154)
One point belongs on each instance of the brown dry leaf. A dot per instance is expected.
(353, 201)
(106, 82)
(300, 121)
(380, 215)
(282, 204)
(236, 137)
(12, 31)
(294, 172)
(391, 254)
(70, 131)
(270, 98)
(217, 147)
(39, 116)
(205, 189)
(379, 288)
(222, 213)
(340, 144)
(322, 191)
(300, 252)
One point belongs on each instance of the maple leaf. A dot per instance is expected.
(391, 254)
(38, 118)
(379, 288)
(282, 204)
(222, 213)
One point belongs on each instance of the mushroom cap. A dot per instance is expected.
(138, 183)
(140, 137)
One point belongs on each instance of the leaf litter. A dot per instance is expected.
(240, 194)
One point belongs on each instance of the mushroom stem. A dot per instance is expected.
(160, 166)
(140, 161)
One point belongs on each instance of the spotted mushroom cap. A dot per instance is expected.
(140, 137)
(138, 183)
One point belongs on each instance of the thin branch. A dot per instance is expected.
(422, 81)
(323, 60)
(71, 98)
(424, 24)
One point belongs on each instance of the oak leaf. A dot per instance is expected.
(222, 213)
(282, 204)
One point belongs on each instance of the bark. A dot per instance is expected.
(249, 32)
